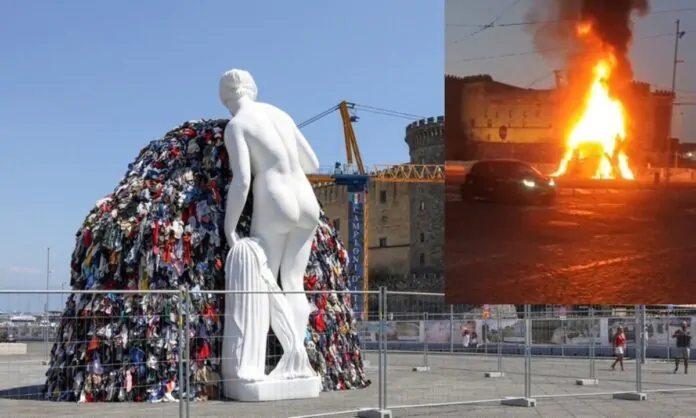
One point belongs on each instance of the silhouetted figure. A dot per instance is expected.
(683, 337)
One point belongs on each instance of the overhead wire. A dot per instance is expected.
(363, 108)
(318, 116)
(541, 50)
(489, 25)
(541, 22)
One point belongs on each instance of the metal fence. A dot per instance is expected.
(417, 352)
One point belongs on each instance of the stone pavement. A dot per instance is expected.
(453, 378)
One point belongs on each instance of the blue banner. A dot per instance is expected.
(356, 250)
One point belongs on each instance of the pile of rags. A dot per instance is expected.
(150, 252)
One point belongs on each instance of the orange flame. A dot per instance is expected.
(601, 129)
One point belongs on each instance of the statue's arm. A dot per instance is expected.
(308, 159)
(240, 166)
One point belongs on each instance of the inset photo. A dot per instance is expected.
(570, 166)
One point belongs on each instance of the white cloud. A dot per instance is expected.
(26, 271)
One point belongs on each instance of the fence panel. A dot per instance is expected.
(335, 351)
(78, 355)
(438, 356)
(416, 351)
(660, 371)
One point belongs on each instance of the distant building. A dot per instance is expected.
(490, 119)
(405, 225)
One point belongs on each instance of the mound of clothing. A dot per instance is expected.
(162, 230)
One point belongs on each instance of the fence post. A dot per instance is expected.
(667, 334)
(383, 348)
(451, 324)
(425, 337)
(639, 349)
(424, 367)
(180, 321)
(644, 334)
(500, 341)
(563, 336)
(593, 346)
(187, 354)
(527, 352)
(526, 400)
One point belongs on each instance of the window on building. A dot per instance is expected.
(382, 242)
(497, 114)
(490, 123)
(384, 219)
(337, 224)
(472, 123)
(488, 137)
(421, 259)
(382, 196)
(422, 237)
(510, 113)
(524, 114)
(422, 206)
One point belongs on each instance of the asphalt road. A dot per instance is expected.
(591, 246)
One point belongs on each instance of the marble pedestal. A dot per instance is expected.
(272, 390)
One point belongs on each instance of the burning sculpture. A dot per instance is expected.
(600, 37)
(599, 134)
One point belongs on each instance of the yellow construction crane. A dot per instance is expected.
(357, 184)
(400, 173)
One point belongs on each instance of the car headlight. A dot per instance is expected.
(529, 183)
(552, 182)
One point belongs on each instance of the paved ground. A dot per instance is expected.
(591, 246)
(453, 378)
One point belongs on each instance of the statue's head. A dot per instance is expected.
(235, 84)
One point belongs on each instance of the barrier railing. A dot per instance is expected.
(416, 351)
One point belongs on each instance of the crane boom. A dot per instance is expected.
(358, 184)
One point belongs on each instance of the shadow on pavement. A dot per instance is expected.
(23, 393)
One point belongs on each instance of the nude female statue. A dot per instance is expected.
(264, 142)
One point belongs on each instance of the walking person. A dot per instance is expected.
(683, 337)
(619, 346)
(466, 338)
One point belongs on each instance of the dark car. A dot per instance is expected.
(508, 181)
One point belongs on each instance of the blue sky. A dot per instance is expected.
(84, 85)
(504, 52)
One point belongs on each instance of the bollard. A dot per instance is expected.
(424, 367)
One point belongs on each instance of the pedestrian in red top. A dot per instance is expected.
(619, 345)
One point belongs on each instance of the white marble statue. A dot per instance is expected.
(264, 142)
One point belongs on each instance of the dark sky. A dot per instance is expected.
(651, 54)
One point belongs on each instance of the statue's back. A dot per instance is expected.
(279, 180)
